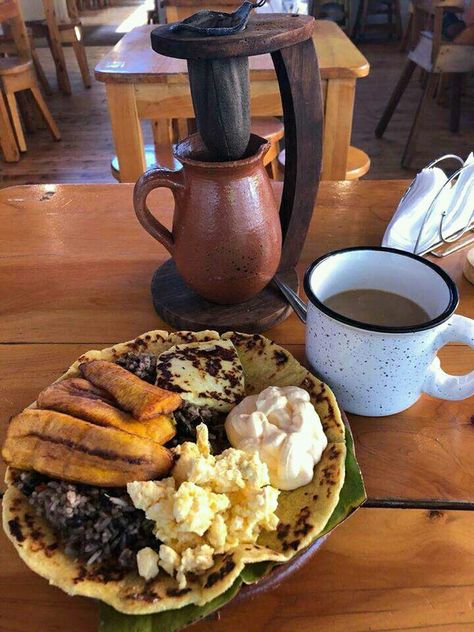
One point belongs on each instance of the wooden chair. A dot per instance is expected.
(388, 8)
(327, 9)
(59, 33)
(434, 56)
(358, 164)
(17, 74)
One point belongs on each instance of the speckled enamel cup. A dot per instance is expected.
(376, 370)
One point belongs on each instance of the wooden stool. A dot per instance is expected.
(164, 134)
(8, 47)
(161, 157)
(268, 127)
(358, 163)
(389, 8)
(16, 76)
(273, 130)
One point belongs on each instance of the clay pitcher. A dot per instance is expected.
(226, 235)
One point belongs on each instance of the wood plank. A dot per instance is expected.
(132, 60)
(381, 570)
(84, 241)
(405, 457)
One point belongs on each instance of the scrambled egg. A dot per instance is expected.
(210, 505)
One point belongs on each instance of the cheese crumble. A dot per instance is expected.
(210, 505)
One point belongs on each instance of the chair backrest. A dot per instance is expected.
(428, 16)
(12, 17)
(177, 10)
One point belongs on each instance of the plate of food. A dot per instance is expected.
(168, 475)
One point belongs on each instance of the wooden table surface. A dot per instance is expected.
(133, 59)
(75, 271)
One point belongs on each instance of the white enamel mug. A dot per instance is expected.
(376, 370)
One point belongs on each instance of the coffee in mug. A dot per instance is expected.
(375, 363)
(377, 307)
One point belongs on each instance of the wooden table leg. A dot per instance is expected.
(162, 133)
(7, 137)
(337, 127)
(54, 40)
(126, 130)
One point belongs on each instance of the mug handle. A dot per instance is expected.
(155, 178)
(440, 384)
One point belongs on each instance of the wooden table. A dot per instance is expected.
(144, 85)
(75, 273)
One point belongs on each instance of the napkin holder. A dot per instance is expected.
(435, 211)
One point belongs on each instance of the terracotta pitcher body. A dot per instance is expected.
(226, 235)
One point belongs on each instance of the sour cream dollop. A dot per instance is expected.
(282, 425)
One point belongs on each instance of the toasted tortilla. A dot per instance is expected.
(303, 512)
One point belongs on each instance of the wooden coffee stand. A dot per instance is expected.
(289, 40)
(142, 85)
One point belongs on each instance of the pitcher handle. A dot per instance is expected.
(155, 178)
(440, 384)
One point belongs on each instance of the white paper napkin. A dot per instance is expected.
(427, 194)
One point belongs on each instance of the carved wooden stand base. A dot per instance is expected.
(181, 308)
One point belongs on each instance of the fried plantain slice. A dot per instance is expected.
(143, 400)
(64, 447)
(79, 398)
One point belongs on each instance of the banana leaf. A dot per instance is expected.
(170, 621)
